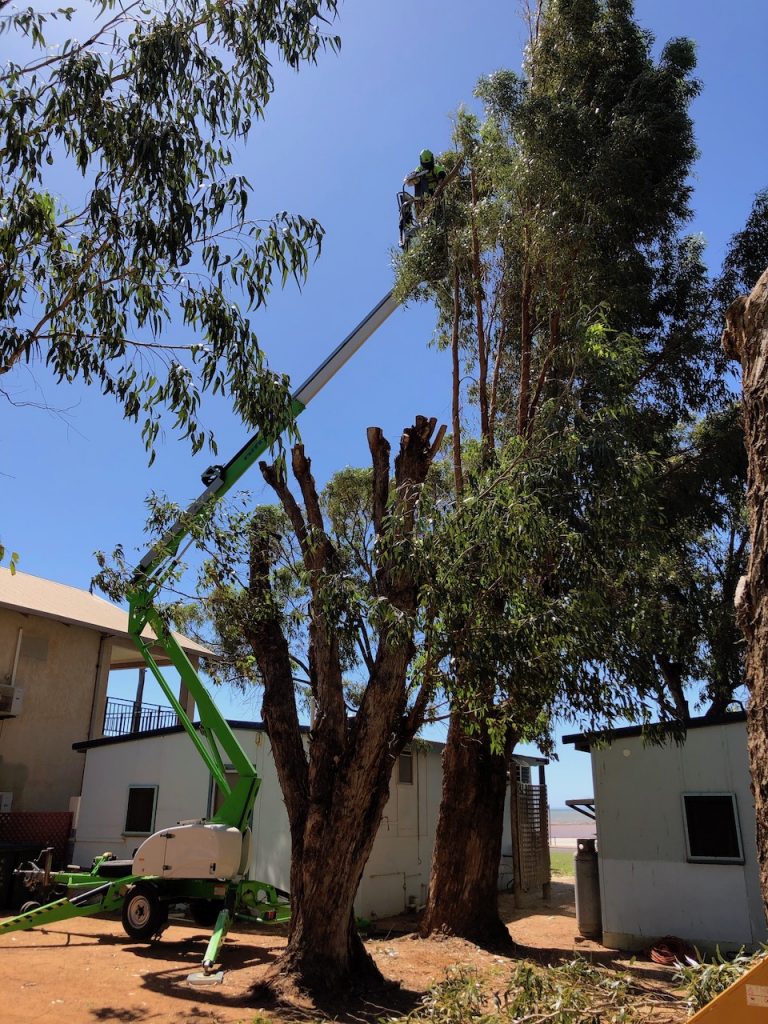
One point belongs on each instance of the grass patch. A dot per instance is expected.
(561, 862)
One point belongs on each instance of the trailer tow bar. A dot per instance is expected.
(103, 899)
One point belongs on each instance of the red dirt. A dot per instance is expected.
(87, 970)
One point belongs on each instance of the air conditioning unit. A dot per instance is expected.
(6, 802)
(11, 698)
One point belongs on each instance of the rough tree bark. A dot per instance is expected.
(336, 790)
(477, 289)
(746, 340)
(463, 891)
(458, 472)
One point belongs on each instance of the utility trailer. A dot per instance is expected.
(202, 864)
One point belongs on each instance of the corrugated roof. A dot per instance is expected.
(33, 595)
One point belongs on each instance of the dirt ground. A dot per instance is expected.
(87, 970)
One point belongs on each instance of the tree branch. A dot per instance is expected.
(380, 453)
(277, 482)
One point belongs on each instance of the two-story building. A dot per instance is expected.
(58, 646)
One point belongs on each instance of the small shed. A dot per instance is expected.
(676, 835)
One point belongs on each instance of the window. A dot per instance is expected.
(712, 827)
(405, 768)
(35, 648)
(140, 814)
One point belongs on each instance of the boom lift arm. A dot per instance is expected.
(215, 742)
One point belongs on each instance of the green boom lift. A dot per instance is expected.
(202, 863)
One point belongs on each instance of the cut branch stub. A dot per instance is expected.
(276, 480)
(316, 548)
(417, 451)
(302, 470)
(380, 451)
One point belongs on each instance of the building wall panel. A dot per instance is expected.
(648, 887)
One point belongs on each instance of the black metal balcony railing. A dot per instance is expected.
(122, 717)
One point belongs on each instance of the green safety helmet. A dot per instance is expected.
(426, 158)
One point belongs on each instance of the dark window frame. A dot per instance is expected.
(136, 831)
(406, 756)
(698, 858)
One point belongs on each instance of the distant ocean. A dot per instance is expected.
(565, 823)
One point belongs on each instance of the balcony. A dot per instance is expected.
(124, 717)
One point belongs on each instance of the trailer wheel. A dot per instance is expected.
(144, 914)
(29, 905)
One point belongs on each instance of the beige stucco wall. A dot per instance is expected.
(57, 671)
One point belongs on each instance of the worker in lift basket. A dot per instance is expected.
(424, 181)
(426, 178)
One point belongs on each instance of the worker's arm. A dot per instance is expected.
(414, 177)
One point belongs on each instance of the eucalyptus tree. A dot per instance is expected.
(690, 583)
(746, 257)
(129, 252)
(702, 487)
(320, 597)
(568, 210)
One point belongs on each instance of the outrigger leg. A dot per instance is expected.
(209, 975)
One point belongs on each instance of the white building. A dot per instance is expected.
(135, 784)
(676, 836)
(138, 783)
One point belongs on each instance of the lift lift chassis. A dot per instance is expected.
(201, 863)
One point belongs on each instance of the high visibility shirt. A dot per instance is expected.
(424, 180)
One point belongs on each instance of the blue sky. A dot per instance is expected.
(336, 143)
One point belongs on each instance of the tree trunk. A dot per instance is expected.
(672, 674)
(746, 339)
(463, 888)
(458, 473)
(482, 347)
(335, 791)
(526, 345)
(325, 952)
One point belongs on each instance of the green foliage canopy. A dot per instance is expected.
(158, 239)
(567, 216)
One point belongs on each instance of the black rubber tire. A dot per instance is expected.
(205, 912)
(29, 905)
(144, 914)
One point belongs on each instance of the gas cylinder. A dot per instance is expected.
(588, 913)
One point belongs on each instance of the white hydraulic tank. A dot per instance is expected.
(196, 850)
